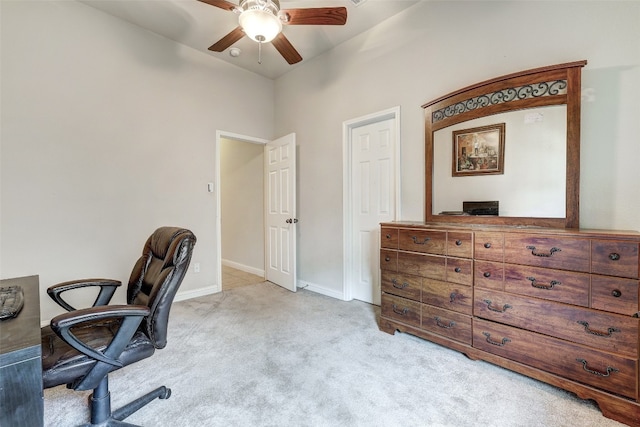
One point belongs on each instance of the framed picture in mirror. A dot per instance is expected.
(479, 151)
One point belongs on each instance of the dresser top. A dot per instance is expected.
(574, 232)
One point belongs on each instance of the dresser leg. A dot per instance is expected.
(387, 327)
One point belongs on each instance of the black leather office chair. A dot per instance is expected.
(81, 347)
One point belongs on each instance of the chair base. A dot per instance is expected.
(111, 423)
(100, 403)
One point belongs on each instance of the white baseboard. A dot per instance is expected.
(302, 284)
(242, 267)
(181, 296)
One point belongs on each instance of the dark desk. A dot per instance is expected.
(21, 398)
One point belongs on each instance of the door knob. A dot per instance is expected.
(292, 220)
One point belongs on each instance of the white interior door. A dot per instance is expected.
(280, 194)
(373, 184)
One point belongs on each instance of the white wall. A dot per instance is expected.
(108, 132)
(436, 47)
(242, 204)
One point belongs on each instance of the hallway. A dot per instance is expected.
(233, 278)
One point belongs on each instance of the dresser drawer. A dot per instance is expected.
(448, 295)
(401, 310)
(599, 369)
(402, 285)
(489, 275)
(459, 270)
(605, 331)
(489, 246)
(447, 323)
(557, 285)
(388, 260)
(460, 244)
(425, 241)
(615, 258)
(389, 237)
(431, 266)
(562, 253)
(614, 294)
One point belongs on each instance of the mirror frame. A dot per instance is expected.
(526, 89)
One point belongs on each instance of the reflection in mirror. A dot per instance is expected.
(533, 182)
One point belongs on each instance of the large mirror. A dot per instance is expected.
(507, 151)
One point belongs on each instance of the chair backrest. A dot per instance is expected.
(157, 275)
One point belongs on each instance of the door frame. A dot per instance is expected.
(347, 185)
(220, 134)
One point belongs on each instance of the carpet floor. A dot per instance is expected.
(262, 356)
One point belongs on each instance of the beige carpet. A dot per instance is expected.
(262, 356)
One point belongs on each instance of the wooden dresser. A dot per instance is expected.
(558, 305)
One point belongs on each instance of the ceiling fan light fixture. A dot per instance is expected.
(259, 20)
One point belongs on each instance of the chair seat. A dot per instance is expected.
(62, 364)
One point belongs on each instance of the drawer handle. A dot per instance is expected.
(453, 296)
(487, 245)
(458, 242)
(614, 256)
(497, 310)
(387, 259)
(551, 285)
(388, 236)
(397, 286)
(607, 334)
(457, 269)
(402, 312)
(598, 373)
(424, 242)
(551, 251)
(616, 293)
(442, 325)
(486, 274)
(492, 342)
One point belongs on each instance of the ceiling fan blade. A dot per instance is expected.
(222, 4)
(227, 40)
(316, 16)
(286, 49)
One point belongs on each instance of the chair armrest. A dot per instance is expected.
(132, 315)
(108, 358)
(107, 289)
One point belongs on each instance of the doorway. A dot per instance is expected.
(241, 205)
(258, 206)
(371, 174)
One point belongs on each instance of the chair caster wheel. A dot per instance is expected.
(166, 394)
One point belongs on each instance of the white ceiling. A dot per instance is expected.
(200, 25)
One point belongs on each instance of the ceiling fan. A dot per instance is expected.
(262, 21)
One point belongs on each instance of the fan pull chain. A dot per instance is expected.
(260, 40)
